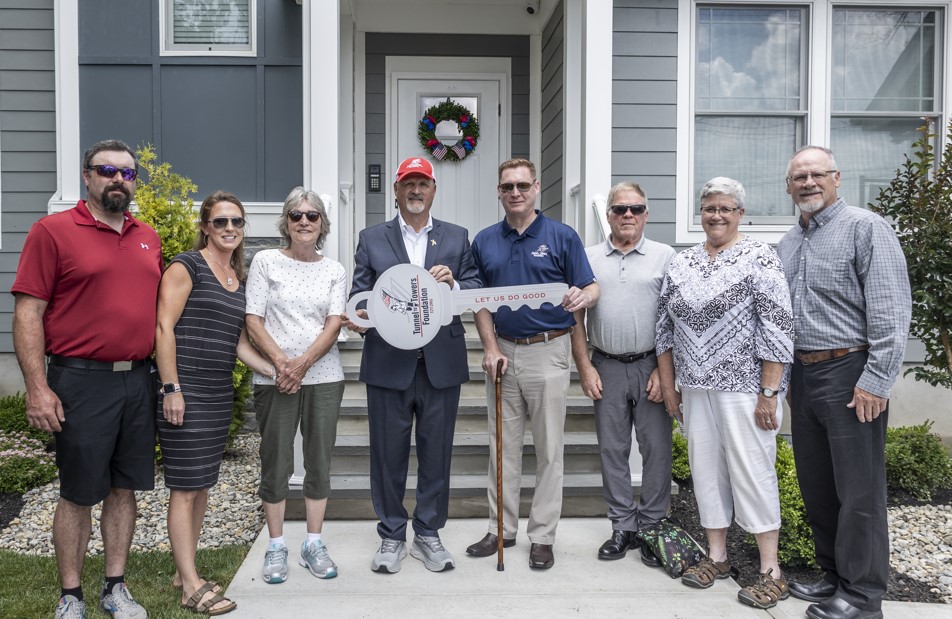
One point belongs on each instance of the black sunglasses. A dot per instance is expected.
(108, 171)
(621, 209)
(312, 216)
(522, 187)
(222, 222)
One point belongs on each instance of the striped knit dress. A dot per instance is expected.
(206, 337)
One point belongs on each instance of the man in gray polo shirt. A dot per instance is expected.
(622, 375)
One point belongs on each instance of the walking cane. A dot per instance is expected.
(500, 565)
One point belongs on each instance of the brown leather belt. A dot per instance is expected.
(545, 336)
(809, 357)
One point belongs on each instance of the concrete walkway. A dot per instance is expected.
(579, 585)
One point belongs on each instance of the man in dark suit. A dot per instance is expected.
(405, 384)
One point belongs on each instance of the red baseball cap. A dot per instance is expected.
(414, 165)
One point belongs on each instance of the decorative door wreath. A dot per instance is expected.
(464, 119)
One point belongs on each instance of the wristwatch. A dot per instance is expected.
(767, 392)
(168, 388)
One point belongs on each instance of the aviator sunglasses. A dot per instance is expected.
(312, 216)
(508, 187)
(108, 171)
(621, 209)
(222, 222)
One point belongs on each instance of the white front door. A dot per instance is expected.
(465, 190)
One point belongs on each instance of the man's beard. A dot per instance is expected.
(416, 207)
(112, 204)
(811, 206)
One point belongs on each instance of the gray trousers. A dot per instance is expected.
(624, 405)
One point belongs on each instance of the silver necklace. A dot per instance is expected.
(228, 279)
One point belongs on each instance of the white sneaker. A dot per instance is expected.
(70, 607)
(387, 560)
(275, 569)
(315, 558)
(430, 550)
(120, 605)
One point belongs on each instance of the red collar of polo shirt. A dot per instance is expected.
(84, 217)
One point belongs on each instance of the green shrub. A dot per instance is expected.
(680, 465)
(916, 461)
(796, 536)
(241, 378)
(13, 419)
(24, 463)
(165, 203)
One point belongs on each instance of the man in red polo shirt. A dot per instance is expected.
(85, 298)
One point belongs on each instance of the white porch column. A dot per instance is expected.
(320, 67)
(321, 94)
(596, 138)
(596, 177)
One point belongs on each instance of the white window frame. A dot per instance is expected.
(165, 49)
(817, 96)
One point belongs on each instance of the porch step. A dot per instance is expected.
(350, 497)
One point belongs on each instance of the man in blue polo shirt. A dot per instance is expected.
(529, 248)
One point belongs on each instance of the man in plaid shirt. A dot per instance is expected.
(852, 305)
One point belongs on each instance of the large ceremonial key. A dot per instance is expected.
(408, 306)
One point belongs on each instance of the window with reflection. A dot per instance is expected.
(750, 101)
(754, 80)
(199, 27)
(883, 86)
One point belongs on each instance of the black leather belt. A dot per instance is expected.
(627, 357)
(545, 336)
(90, 364)
(809, 357)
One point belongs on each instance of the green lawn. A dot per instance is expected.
(29, 586)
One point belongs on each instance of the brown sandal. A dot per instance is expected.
(178, 587)
(766, 592)
(703, 575)
(195, 603)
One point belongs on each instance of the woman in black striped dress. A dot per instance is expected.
(199, 332)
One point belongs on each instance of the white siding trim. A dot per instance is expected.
(320, 58)
(535, 99)
(572, 110)
(66, 56)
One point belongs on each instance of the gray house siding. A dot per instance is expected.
(644, 105)
(230, 123)
(553, 81)
(27, 135)
(380, 45)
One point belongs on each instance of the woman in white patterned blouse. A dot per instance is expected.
(725, 336)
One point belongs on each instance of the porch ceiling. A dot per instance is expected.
(448, 16)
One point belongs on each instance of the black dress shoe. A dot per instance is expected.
(487, 546)
(617, 547)
(648, 557)
(818, 591)
(838, 608)
(540, 556)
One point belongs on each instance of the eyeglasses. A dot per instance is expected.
(222, 222)
(108, 171)
(817, 176)
(312, 216)
(522, 187)
(621, 209)
(719, 210)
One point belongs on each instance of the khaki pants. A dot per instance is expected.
(534, 389)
